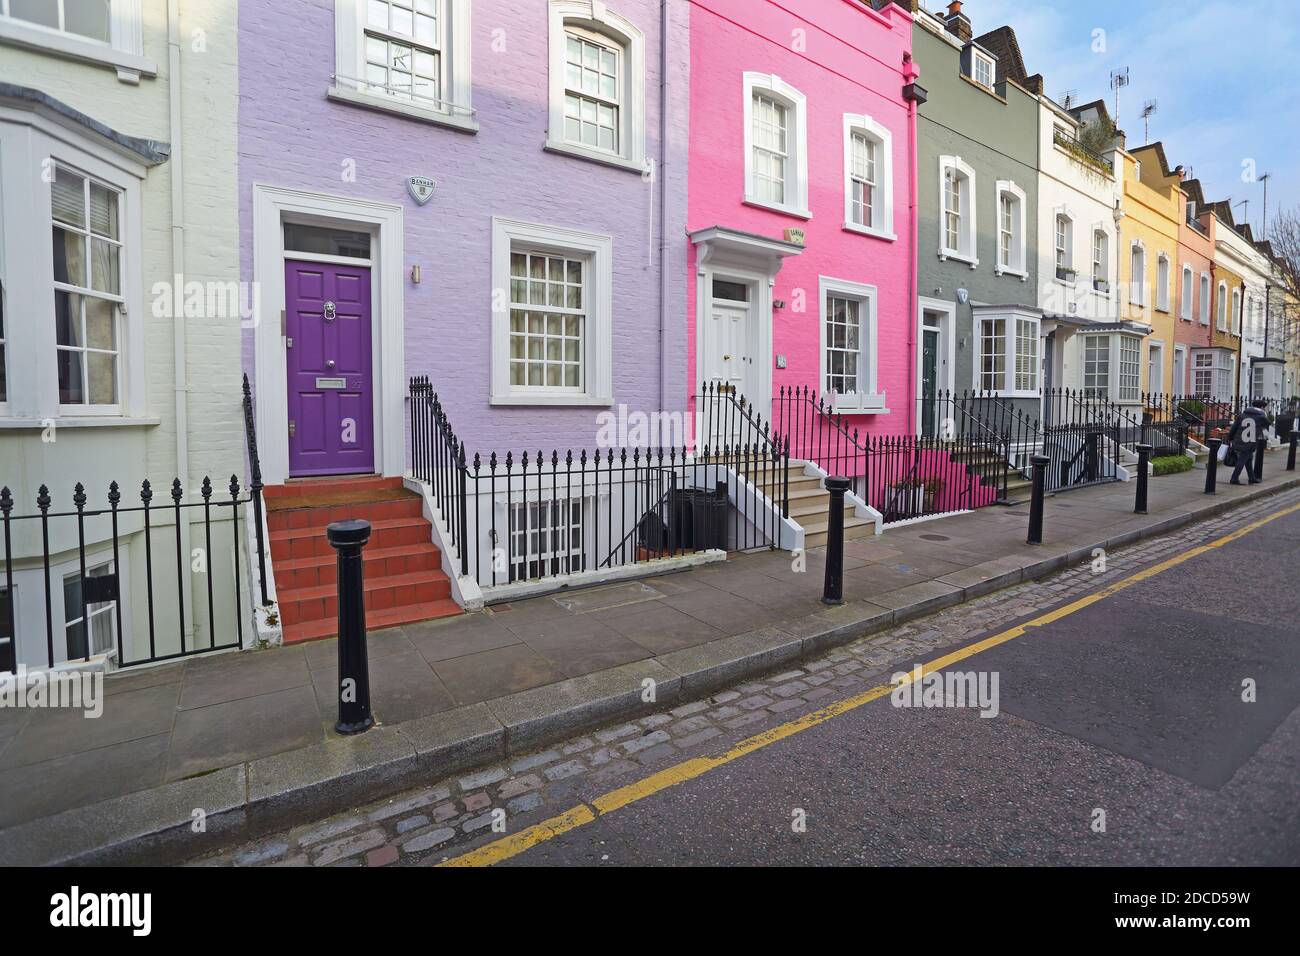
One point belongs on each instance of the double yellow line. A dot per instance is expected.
(582, 814)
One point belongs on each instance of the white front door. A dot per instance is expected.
(1180, 371)
(1156, 369)
(727, 363)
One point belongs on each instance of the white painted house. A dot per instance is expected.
(111, 168)
(1079, 213)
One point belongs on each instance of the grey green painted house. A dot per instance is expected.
(977, 158)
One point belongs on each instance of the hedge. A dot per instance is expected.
(1170, 465)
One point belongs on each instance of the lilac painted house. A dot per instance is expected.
(491, 194)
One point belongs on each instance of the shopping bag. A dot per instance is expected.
(1223, 452)
(1231, 458)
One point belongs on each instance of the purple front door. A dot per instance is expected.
(327, 325)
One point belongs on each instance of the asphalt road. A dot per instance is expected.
(1132, 706)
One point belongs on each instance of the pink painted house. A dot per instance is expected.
(801, 214)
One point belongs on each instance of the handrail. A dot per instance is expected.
(255, 486)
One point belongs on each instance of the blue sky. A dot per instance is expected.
(1226, 76)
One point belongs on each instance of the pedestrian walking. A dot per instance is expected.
(1245, 437)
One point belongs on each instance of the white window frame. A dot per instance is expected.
(1203, 290)
(1101, 260)
(977, 57)
(1063, 247)
(1013, 318)
(883, 190)
(84, 293)
(1186, 292)
(966, 250)
(1236, 311)
(868, 400)
(455, 109)
(796, 191)
(1016, 266)
(124, 51)
(598, 250)
(1134, 394)
(1221, 313)
(1164, 271)
(1137, 279)
(106, 608)
(1085, 343)
(602, 25)
(29, 141)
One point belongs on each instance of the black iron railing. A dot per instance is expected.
(125, 537)
(532, 515)
(255, 487)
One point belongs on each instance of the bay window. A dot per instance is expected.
(1008, 360)
(868, 171)
(1112, 366)
(1096, 365)
(776, 145)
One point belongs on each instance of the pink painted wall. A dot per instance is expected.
(848, 59)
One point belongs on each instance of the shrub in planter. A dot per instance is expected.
(1170, 465)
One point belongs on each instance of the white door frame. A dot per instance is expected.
(1159, 345)
(272, 205)
(1179, 384)
(759, 327)
(947, 348)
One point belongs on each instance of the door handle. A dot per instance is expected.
(330, 364)
(293, 427)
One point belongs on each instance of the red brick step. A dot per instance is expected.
(404, 581)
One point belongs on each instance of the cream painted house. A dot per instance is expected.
(117, 192)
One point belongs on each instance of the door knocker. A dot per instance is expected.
(331, 313)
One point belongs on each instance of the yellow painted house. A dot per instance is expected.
(1153, 206)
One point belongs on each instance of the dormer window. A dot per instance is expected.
(983, 69)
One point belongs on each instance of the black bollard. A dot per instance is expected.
(1144, 466)
(348, 538)
(1290, 455)
(833, 589)
(1260, 445)
(1039, 479)
(1212, 466)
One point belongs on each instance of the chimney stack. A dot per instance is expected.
(957, 23)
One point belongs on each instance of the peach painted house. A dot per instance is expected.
(800, 215)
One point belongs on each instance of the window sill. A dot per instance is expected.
(539, 399)
(77, 421)
(341, 94)
(1004, 394)
(1021, 274)
(130, 66)
(946, 254)
(595, 156)
(868, 231)
(1163, 311)
(805, 214)
(859, 405)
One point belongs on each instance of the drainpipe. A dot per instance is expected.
(175, 172)
(910, 75)
(665, 274)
